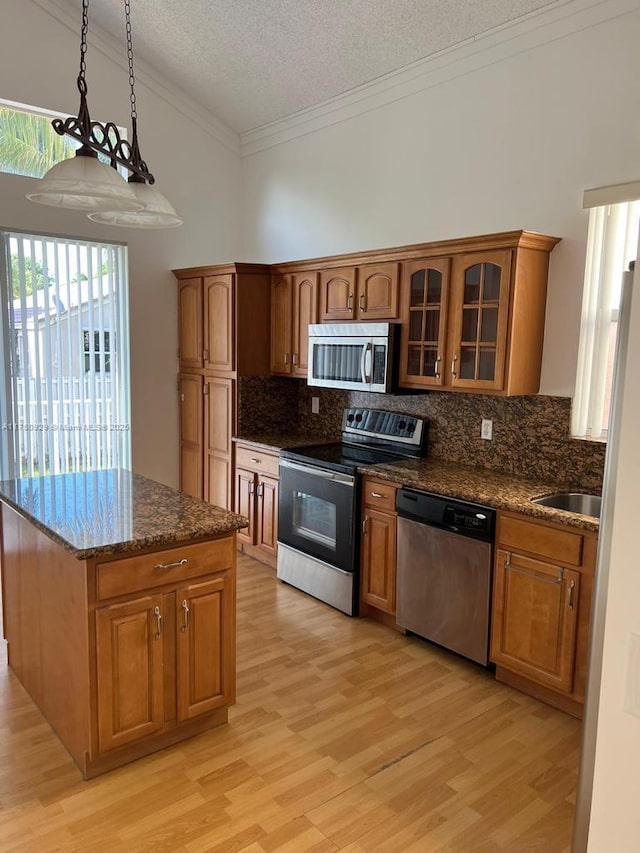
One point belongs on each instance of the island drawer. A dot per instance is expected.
(260, 461)
(148, 571)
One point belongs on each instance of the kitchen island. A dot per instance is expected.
(119, 610)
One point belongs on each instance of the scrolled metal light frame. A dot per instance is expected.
(104, 138)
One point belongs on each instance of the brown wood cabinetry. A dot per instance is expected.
(257, 499)
(542, 608)
(474, 320)
(378, 561)
(223, 316)
(294, 305)
(124, 654)
(367, 292)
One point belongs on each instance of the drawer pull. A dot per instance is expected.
(158, 615)
(379, 495)
(185, 614)
(256, 459)
(175, 565)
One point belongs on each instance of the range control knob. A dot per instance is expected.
(402, 425)
(358, 418)
(350, 417)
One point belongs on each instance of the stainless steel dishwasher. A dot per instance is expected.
(445, 553)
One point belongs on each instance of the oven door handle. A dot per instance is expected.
(365, 363)
(346, 479)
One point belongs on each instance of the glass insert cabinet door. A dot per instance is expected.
(479, 318)
(425, 295)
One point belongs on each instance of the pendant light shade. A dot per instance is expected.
(84, 183)
(154, 211)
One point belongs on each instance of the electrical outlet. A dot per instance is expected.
(486, 430)
(315, 405)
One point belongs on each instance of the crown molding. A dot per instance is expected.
(562, 19)
(103, 41)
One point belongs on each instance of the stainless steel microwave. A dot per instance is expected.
(355, 356)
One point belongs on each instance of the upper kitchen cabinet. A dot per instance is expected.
(294, 305)
(474, 321)
(222, 324)
(223, 331)
(367, 292)
(425, 300)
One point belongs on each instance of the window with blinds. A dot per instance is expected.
(64, 329)
(611, 244)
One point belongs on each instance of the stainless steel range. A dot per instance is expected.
(319, 501)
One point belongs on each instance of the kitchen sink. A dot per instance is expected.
(572, 502)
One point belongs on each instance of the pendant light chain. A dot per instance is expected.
(132, 79)
(82, 84)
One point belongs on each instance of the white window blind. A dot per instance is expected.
(64, 388)
(611, 244)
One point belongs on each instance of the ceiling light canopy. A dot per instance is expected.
(85, 183)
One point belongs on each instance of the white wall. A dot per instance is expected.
(510, 145)
(38, 66)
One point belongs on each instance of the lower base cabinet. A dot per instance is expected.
(543, 582)
(378, 553)
(256, 489)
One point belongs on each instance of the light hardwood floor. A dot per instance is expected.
(345, 736)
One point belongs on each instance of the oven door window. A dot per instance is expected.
(316, 515)
(314, 519)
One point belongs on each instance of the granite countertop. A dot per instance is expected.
(107, 512)
(279, 441)
(501, 491)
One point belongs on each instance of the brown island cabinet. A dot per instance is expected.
(119, 611)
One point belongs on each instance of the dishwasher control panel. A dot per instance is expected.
(463, 517)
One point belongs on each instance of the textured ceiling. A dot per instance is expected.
(251, 62)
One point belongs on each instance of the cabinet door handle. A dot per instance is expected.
(453, 367)
(294, 358)
(251, 488)
(185, 615)
(436, 371)
(362, 308)
(205, 354)
(158, 615)
(572, 586)
(205, 389)
(364, 525)
(507, 560)
(175, 565)
(350, 301)
(260, 490)
(286, 358)
(378, 495)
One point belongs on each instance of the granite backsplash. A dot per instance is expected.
(530, 434)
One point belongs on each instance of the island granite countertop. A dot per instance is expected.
(106, 512)
(479, 485)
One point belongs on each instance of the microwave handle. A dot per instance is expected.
(365, 363)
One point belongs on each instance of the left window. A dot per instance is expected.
(30, 146)
(64, 367)
(28, 143)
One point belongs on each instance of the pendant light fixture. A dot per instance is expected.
(84, 183)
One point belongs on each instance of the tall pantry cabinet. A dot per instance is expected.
(223, 334)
